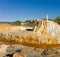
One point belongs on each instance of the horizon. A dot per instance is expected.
(12, 10)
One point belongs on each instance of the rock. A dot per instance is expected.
(45, 52)
(9, 55)
(19, 55)
(3, 48)
(18, 50)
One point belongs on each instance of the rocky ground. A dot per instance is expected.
(14, 50)
(25, 51)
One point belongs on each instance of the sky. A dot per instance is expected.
(12, 10)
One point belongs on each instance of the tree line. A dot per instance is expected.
(30, 22)
(18, 22)
(57, 19)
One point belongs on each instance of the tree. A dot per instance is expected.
(17, 22)
(57, 19)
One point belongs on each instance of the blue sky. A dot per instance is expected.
(12, 10)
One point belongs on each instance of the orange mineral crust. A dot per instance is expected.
(33, 42)
(8, 27)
